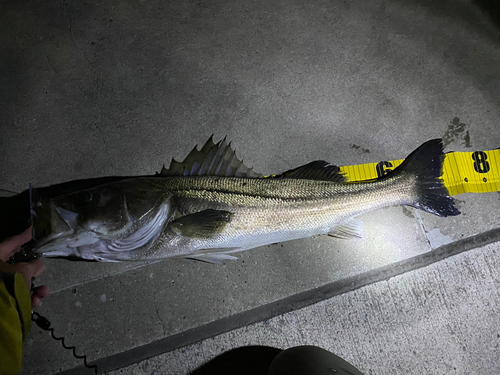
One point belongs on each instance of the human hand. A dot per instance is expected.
(29, 270)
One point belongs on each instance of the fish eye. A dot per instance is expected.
(82, 198)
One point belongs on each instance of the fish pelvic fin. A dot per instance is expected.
(426, 164)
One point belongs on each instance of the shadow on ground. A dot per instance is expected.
(491, 8)
(249, 360)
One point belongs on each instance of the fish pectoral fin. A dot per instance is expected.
(203, 224)
(353, 228)
(215, 256)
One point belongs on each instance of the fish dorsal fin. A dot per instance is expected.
(214, 159)
(315, 170)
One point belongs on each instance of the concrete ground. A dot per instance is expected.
(441, 319)
(92, 89)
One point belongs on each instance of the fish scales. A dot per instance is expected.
(289, 209)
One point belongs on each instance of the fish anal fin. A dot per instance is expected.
(203, 224)
(353, 228)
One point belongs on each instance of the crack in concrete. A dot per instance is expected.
(158, 313)
(111, 274)
(422, 227)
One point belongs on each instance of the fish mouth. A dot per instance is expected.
(62, 234)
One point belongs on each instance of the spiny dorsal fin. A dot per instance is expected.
(315, 170)
(214, 159)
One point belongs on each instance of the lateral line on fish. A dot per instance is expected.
(246, 194)
(303, 198)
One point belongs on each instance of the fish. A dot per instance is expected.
(210, 206)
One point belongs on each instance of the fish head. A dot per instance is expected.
(93, 220)
(102, 210)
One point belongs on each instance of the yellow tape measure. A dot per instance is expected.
(463, 172)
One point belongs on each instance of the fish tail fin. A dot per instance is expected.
(426, 165)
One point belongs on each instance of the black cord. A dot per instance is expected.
(44, 324)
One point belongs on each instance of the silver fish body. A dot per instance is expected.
(208, 217)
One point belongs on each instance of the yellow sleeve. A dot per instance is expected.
(15, 321)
